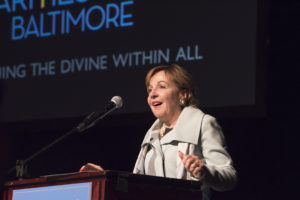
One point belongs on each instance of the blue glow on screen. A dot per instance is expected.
(78, 191)
(64, 21)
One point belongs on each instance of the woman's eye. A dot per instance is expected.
(162, 86)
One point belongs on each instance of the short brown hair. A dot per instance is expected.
(180, 77)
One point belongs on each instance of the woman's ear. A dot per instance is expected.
(183, 94)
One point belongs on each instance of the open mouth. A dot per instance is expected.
(156, 103)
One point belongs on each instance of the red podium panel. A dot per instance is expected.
(116, 185)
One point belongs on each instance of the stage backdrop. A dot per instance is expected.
(66, 58)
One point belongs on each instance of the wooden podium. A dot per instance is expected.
(106, 185)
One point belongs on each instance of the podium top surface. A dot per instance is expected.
(109, 175)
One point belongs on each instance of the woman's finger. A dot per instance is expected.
(187, 161)
(190, 159)
(81, 168)
(196, 172)
(194, 165)
(91, 167)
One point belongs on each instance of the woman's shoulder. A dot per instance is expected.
(195, 112)
(191, 112)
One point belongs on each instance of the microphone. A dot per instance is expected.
(95, 117)
(115, 102)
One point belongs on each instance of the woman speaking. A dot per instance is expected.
(183, 142)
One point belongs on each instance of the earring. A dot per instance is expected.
(182, 102)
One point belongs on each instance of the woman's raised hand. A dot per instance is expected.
(192, 164)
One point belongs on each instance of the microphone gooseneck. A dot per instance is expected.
(88, 122)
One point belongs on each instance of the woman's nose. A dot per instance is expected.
(153, 93)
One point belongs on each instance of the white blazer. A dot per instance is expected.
(199, 134)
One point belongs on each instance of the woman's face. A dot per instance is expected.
(164, 98)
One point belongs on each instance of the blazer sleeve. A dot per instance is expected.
(219, 172)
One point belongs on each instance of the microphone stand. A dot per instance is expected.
(91, 120)
(21, 165)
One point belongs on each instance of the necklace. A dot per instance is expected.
(162, 131)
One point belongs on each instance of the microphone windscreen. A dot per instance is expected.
(118, 101)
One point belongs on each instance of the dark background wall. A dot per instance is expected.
(264, 149)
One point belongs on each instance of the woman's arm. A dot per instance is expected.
(218, 170)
